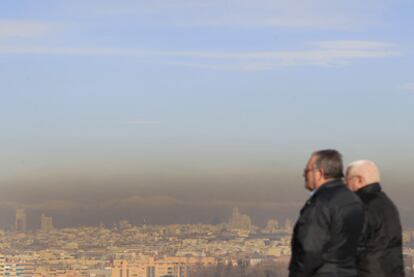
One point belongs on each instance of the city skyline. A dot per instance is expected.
(178, 250)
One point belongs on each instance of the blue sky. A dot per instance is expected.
(194, 89)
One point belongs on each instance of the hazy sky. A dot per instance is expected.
(213, 100)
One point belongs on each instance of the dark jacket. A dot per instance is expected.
(381, 254)
(326, 235)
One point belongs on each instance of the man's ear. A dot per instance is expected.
(321, 174)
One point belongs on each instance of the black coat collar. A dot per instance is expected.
(331, 184)
(368, 189)
(328, 185)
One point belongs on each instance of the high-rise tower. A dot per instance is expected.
(2, 261)
(20, 223)
(46, 223)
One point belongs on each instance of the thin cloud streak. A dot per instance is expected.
(353, 44)
(141, 122)
(316, 14)
(24, 29)
(35, 50)
(325, 53)
(281, 21)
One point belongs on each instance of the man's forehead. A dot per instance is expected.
(312, 159)
(309, 163)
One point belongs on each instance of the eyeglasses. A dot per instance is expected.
(307, 170)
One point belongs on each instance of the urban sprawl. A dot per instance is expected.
(126, 250)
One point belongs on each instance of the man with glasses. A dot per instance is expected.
(381, 246)
(326, 235)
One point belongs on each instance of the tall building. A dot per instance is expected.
(20, 223)
(17, 268)
(239, 221)
(272, 226)
(288, 225)
(2, 262)
(25, 269)
(46, 223)
(9, 270)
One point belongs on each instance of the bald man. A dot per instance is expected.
(381, 243)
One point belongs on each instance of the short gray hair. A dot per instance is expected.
(330, 161)
(364, 168)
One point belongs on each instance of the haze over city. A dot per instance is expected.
(176, 112)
